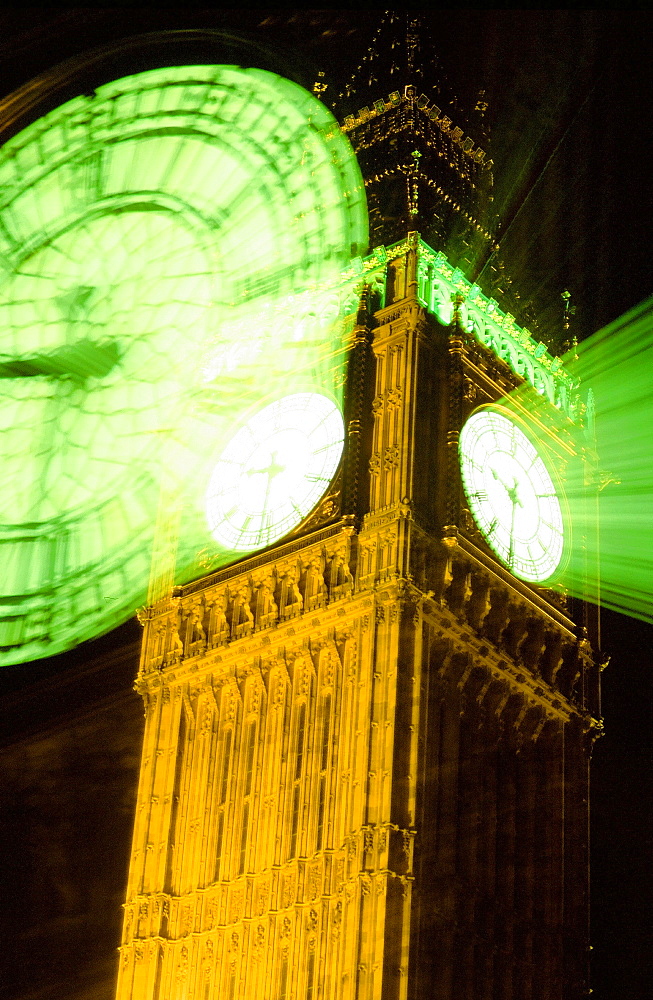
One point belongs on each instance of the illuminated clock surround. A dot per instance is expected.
(511, 495)
(144, 231)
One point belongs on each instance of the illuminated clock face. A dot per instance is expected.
(155, 238)
(274, 470)
(511, 495)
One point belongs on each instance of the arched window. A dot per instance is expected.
(243, 839)
(223, 792)
(310, 976)
(250, 754)
(158, 974)
(174, 834)
(250, 746)
(283, 979)
(324, 765)
(300, 747)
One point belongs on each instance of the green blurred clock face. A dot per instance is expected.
(162, 247)
(511, 495)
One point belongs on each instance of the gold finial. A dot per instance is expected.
(413, 205)
(569, 309)
(319, 86)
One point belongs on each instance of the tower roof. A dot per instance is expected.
(423, 159)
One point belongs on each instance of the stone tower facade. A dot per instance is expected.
(365, 764)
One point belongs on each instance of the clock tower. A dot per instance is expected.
(365, 763)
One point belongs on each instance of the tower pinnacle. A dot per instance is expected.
(423, 169)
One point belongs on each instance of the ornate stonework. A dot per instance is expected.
(353, 781)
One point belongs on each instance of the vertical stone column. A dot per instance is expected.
(488, 861)
(446, 847)
(556, 785)
(455, 420)
(355, 500)
(398, 346)
(505, 870)
(467, 874)
(576, 836)
(548, 830)
(525, 861)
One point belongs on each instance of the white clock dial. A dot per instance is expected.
(274, 470)
(511, 495)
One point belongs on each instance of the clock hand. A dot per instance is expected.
(78, 356)
(270, 470)
(84, 359)
(511, 546)
(498, 478)
(514, 499)
(65, 370)
(512, 494)
(510, 490)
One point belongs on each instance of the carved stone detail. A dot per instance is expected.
(374, 464)
(498, 616)
(391, 458)
(460, 590)
(225, 613)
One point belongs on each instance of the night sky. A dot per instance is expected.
(568, 125)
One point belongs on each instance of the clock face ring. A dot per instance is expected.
(511, 494)
(143, 229)
(274, 470)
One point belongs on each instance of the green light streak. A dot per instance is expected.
(171, 259)
(607, 464)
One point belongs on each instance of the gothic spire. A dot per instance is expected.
(424, 171)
